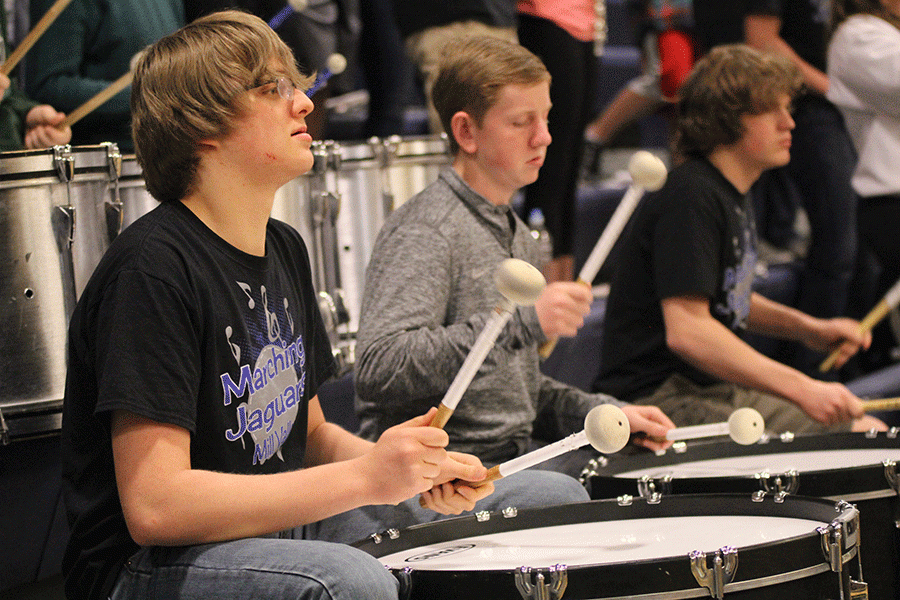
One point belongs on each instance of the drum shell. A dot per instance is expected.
(56, 231)
(413, 163)
(132, 191)
(867, 486)
(372, 179)
(760, 573)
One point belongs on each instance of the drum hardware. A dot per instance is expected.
(483, 516)
(893, 432)
(510, 512)
(334, 316)
(115, 214)
(840, 543)
(540, 589)
(787, 437)
(625, 500)
(651, 488)
(779, 485)
(724, 565)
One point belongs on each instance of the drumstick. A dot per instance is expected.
(606, 428)
(282, 15)
(745, 426)
(336, 64)
(648, 173)
(880, 311)
(881, 404)
(519, 283)
(111, 90)
(33, 35)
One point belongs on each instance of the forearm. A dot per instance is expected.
(708, 345)
(763, 33)
(773, 319)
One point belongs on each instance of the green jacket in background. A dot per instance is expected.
(14, 105)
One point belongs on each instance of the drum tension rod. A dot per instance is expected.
(725, 564)
(540, 589)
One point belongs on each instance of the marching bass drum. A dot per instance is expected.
(853, 467)
(686, 546)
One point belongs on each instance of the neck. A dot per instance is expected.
(741, 175)
(232, 209)
(477, 179)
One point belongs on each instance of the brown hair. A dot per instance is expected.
(189, 86)
(472, 73)
(841, 10)
(729, 82)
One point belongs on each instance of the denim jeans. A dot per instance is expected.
(526, 489)
(274, 569)
(319, 565)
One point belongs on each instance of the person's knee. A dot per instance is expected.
(535, 489)
(356, 575)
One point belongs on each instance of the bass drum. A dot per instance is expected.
(853, 467)
(58, 220)
(682, 547)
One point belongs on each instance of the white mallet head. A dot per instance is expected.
(299, 5)
(336, 63)
(647, 170)
(746, 426)
(607, 428)
(520, 282)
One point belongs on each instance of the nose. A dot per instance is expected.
(301, 104)
(542, 135)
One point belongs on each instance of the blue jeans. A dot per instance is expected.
(277, 568)
(526, 489)
(274, 569)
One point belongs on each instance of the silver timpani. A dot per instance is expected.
(59, 220)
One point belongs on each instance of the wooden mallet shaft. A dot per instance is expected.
(33, 36)
(881, 404)
(82, 111)
(879, 312)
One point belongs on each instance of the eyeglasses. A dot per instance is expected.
(283, 85)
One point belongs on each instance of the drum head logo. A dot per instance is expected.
(439, 553)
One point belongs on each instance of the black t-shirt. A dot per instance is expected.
(804, 25)
(695, 237)
(178, 326)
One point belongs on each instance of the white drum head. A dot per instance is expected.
(602, 542)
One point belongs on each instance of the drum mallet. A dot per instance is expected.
(745, 426)
(335, 65)
(606, 428)
(33, 35)
(102, 96)
(880, 311)
(648, 173)
(520, 283)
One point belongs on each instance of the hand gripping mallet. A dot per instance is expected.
(648, 173)
(520, 284)
(880, 311)
(606, 428)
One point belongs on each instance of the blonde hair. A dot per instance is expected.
(188, 87)
(472, 73)
(729, 82)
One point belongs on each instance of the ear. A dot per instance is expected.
(463, 127)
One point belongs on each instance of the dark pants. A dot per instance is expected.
(573, 67)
